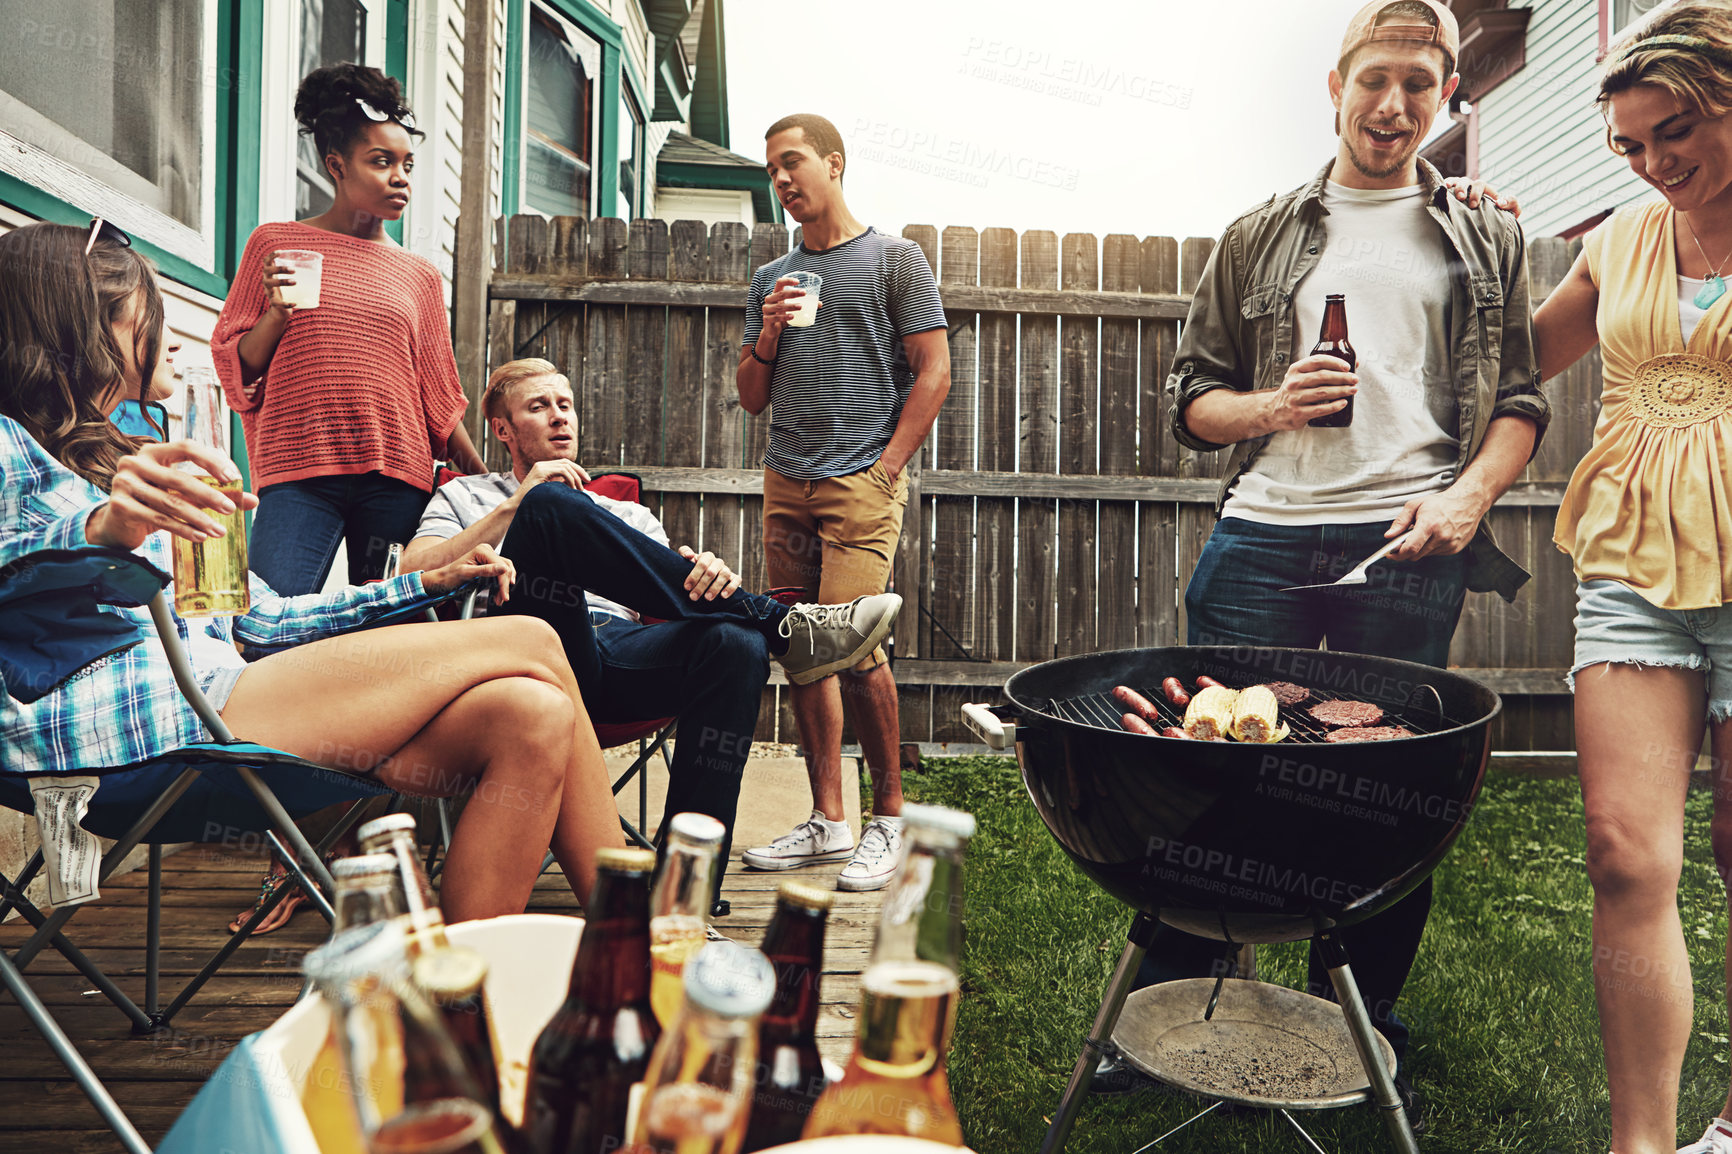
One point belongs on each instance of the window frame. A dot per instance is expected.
(239, 73)
(232, 36)
(279, 166)
(631, 110)
(616, 69)
(1610, 29)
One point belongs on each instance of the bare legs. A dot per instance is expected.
(435, 709)
(1721, 835)
(1633, 791)
(870, 701)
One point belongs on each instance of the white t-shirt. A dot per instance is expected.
(1389, 257)
(1689, 316)
(458, 504)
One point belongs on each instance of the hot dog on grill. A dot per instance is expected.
(1205, 682)
(1131, 723)
(1175, 731)
(1136, 703)
(1175, 691)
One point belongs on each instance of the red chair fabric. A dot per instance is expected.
(623, 487)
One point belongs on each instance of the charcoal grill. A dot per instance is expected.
(1246, 843)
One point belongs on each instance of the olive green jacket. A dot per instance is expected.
(1239, 334)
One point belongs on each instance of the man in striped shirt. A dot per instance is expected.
(852, 394)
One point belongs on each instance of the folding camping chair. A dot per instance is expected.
(52, 626)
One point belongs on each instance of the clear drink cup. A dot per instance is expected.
(810, 282)
(308, 269)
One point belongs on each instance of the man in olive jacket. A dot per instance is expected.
(1447, 412)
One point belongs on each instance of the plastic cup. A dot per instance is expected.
(308, 269)
(809, 283)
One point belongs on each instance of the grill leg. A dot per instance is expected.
(1100, 1034)
(1383, 1094)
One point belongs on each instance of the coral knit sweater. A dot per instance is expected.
(364, 383)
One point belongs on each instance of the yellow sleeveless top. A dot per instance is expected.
(1650, 504)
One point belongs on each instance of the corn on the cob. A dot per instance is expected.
(1256, 716)
(1210, 714)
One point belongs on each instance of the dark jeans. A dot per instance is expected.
(298, 524)
(706, 663)
(1406, 611)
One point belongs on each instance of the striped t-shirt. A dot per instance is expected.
(837, 388)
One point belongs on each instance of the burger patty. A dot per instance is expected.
(1287, 693)
(1347, 714)
(1369, 733)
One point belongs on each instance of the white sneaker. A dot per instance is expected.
(874, 862)
(812, 842)
(1717, 1139)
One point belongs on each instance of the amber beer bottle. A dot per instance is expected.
(680, 907)
(394, 834)
(895, 1081)
(698, 1088)
(598, 1043)
(1332, 341)
(790, 1072)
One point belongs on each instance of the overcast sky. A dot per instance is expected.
(1150, 117)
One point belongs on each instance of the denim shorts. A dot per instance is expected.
(1616, 624)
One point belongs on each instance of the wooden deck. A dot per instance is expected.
(153, 1078)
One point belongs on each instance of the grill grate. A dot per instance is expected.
(1102, 711)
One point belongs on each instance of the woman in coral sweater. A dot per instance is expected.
(346, 406)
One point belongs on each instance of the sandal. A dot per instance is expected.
(274, 881)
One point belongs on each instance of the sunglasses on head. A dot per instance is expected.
(108, 231)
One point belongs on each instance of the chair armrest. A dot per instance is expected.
(54, 619)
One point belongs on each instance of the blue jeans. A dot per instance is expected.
(1404, 610)
(706, 663)
(299, 523)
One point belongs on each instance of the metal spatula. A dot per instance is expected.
(1355, 575)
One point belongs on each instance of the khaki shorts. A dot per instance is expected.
(834, 537)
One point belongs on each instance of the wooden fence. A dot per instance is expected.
(1051, 512)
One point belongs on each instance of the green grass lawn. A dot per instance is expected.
(1505, 1044)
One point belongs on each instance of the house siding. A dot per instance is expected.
(1541, 135)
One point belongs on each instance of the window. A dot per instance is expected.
(110, 106)
(631, 150)
(1628, 12)
(561, 119)
(332, 31)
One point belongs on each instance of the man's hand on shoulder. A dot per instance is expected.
(559, 469)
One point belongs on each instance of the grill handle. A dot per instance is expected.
(991, 725)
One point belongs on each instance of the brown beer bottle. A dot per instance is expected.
(598, 1043)
(790, 1072)
(1332, 341)
(451, 978)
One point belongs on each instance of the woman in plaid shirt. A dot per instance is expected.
(426, 709)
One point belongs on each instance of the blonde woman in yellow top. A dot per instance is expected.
(1648, 520)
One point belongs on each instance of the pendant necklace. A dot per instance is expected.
(1715, 287)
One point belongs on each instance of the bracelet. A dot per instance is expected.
(753, 349)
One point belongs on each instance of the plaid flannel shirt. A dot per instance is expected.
(126, 708)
